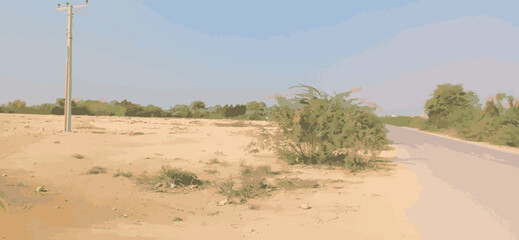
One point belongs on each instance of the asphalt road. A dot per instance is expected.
(468, 191)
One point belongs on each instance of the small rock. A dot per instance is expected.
(305, 206)
(114, 209)
(158, 185)
(57, 207)
(172, 185)
(124, 216)
(41, 189)
(57, 142)
(4, 175)
(223, 202)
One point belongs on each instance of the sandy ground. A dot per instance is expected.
(34, 152)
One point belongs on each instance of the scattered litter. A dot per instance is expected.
(41, 189)
(223, 202)
(305, 206)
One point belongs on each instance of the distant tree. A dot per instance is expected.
(181, 111)
(255, 105)
(60, 102)
(450, 106)
(256, 110)
(16, 106)
(197, 105)
(233, 111)
(59, 108)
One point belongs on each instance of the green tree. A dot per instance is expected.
(450, 106)
(197, 105)
(256, 110)
(322, 129)
(181, 111)
(231, 111)
(16, 106)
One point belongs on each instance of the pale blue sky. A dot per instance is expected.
(170, 52)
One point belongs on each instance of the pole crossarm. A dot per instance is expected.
(73, 7)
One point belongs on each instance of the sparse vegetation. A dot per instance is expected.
(78, 156)
(136, 133)
(252, 184)
(172, 177)
(214, 161)
(231, 124)
(96, 170)
(211, 171)
(254, 207)
(296, 183)
(259, 171)
(2, 196)
(123, 174)
(2, 205)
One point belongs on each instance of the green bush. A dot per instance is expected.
(252, 183)
(322, 129)
(178, 177)
(451, 107)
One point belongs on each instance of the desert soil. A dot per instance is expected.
(34, 151)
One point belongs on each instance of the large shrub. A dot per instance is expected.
(321, 129)
(451, 107)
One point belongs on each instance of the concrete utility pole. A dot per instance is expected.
(68, 77)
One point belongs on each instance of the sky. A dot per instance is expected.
(228, 52)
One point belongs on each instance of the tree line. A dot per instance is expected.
(197, 109)
(453, 108)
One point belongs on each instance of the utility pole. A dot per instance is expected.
(68, 76)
